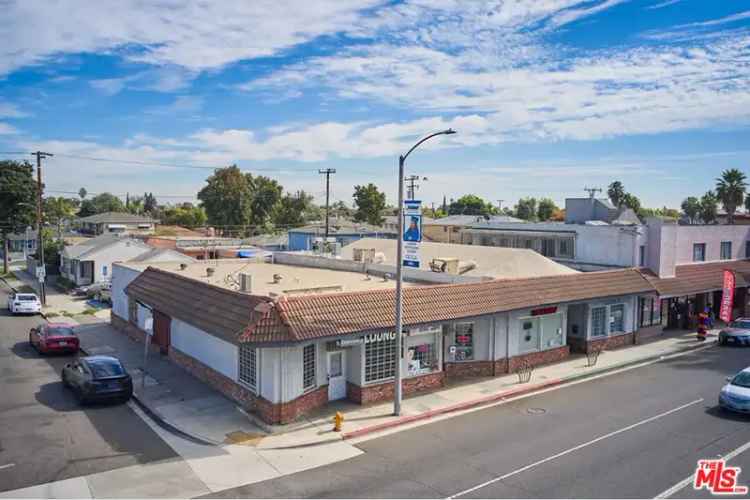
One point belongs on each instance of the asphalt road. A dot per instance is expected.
(44, 434)
(633, 434)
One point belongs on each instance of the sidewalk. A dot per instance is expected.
(58, 303)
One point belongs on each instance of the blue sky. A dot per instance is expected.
(547, 96)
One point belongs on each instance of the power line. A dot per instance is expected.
(14, 153)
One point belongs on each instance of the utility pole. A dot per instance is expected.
(40, 250)
(500, 205)
(411, 189)
(592, 191)
(327, 172)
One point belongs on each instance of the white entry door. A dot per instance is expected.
(336, 376)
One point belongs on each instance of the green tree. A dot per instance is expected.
(104, 202)
(546, 209)
(149, 203)
(134, 205)
(337, 209)
(691, 207)
(632, 202)
(59, 209)
(730, 190)
(82, 193)
(747, 203)
(470, 204)
(227, 198)
(526, 209)
(292, 210)
(369, 203)
(709, 207)
(616, 193)
(17, 200)
(185, 215)
(266, 194)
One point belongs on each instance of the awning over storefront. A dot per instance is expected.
(692, 279)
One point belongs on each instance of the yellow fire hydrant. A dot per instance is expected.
(338, 420)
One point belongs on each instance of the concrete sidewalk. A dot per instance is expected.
(59, 303)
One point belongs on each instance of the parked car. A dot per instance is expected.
(735, 396)
(737, 333)
(98, 378)
(54, 338)
(24, 303)
(92, 291)
(105, 295)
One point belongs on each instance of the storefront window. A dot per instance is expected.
(649, 311)
(529, 335)
(380, 357)
(617, 318)
(552, 331)
(598, 321)
(464, 341)
(421, 355)
(308, 366)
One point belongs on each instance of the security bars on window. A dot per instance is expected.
(617, 312)
(248, 369)
(598, 321)
(308, 366)
(380, 360)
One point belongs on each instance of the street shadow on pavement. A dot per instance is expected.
(23, 350)
(722, 360)
(718, 412)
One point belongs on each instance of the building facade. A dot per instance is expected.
(116, 223)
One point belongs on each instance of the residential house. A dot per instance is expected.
(91, 261)
(340, 232)
(448, 229)
(116, 222)
(205, 247)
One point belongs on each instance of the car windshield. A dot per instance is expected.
(745, 324)
(60, 331)
(105, 368)
(742, 379)
(25, 297)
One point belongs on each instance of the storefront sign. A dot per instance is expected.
(412, 232)
(544, 310)
(349, 342)
(727, 296)
(379, 337)
(425, 330)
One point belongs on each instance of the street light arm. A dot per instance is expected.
(442, 132)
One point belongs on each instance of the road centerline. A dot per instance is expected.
(575, 448)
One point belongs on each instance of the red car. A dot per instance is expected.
(54, 338)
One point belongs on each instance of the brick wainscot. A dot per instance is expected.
(539, 358)
(272, 413)
(384, 392)
(609, 343)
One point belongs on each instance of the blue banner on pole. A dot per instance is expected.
(412, 232)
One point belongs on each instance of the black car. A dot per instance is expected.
(98, 378)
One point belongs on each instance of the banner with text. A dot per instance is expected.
(412, 232)
(727, 297)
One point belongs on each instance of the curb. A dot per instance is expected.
(520, 391)
(163, 422)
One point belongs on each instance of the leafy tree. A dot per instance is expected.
(185, 215)
(17, 200)
(546, 209)
(691, 207)
(470, 204)
(292, 210)
(82, 193)
(369, 202)
(747, 203)
(631, 201)
(227, 198)
(337, 209)
(149, 203)
(616, 193)
(558, 215)
(709, 207)
(266, 194)
(135, 206)
(104, 202)
(59, 209)
(526, 209)
(730, 190)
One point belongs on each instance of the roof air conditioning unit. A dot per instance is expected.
(246, 282)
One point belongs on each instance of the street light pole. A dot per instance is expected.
(40, 250)
(397, 393)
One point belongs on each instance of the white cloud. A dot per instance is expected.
(9, 110)
(183, 104)
(715, 22)
(193, 35)
(6, 129)
(661, 5)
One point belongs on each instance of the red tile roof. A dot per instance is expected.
(699, 278)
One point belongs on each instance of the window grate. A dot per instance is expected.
(308, 366)
(380, 360)
(598, 323)
(248, 369)
(617, 318)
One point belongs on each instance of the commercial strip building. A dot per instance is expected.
(283, 339)
(340, 233)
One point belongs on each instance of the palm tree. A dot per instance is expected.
(616, 193)
(691, 206)
(730, 189)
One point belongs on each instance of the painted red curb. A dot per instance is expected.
(465, 405)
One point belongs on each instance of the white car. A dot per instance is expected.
(735, 396)
(24, 303)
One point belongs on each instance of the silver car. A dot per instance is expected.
(737, 333)
(735, 395)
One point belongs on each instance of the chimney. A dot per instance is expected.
(246, 283)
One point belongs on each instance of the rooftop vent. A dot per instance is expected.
(210, 271)
(183, 266)
(277, 279)
(246, 282)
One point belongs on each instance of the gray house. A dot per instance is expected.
(117, 222)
